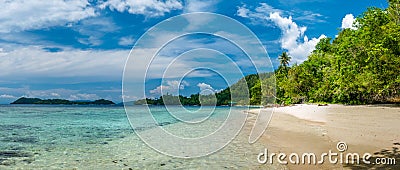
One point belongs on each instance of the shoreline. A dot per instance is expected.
(317, 129)
(291, 130)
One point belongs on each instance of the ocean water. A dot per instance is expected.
(100, 137)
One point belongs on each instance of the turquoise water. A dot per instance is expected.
(27, 132)
(94, 137)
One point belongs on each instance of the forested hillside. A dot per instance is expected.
(245, 92)
(359, 66)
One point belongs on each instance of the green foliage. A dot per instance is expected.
(169, 99)
(284, 59)
(359, 66)
(247, 91)
(24, 100)
(103, 102)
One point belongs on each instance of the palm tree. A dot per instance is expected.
(284, 60)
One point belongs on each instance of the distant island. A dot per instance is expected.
(24, 100)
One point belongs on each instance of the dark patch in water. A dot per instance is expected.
(164, 123)
(12, 127)
(6, 157)
(28, 139)
(14, 154)
(17, 148)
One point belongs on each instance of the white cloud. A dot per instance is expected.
(91, 40)
(243, 11)
(20, 15)
(291, 35)
(94, 29)
(13, 91)
(32, 62)
(159, 89)
(310, 17)
(348, 22)
(51, 93)
(204, 86)
(293, 39)
(130, 98)
(7, 96)
(259, 15)
(2, 53)
(46, 94)
(56, 95)
(199, 6)
(265, 8)
(160, 67)
(150, 8)
(259, 12)
(83, 96)
(126, 41)
(206, 89)
(196, 22)
(172, 87)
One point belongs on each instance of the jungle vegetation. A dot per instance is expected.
(359, 66)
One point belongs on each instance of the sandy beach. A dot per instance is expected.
(318, 129)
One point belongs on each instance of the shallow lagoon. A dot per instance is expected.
(68, 137)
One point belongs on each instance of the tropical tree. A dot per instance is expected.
(284, 60)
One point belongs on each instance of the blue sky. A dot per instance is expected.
(77, 49)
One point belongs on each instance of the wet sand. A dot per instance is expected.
(317, 129)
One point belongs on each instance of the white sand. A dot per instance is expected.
(307, 112)
(317, 129)
(303, 111)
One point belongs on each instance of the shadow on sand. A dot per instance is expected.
(384, 153)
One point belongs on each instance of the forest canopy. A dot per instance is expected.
(359, 66)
